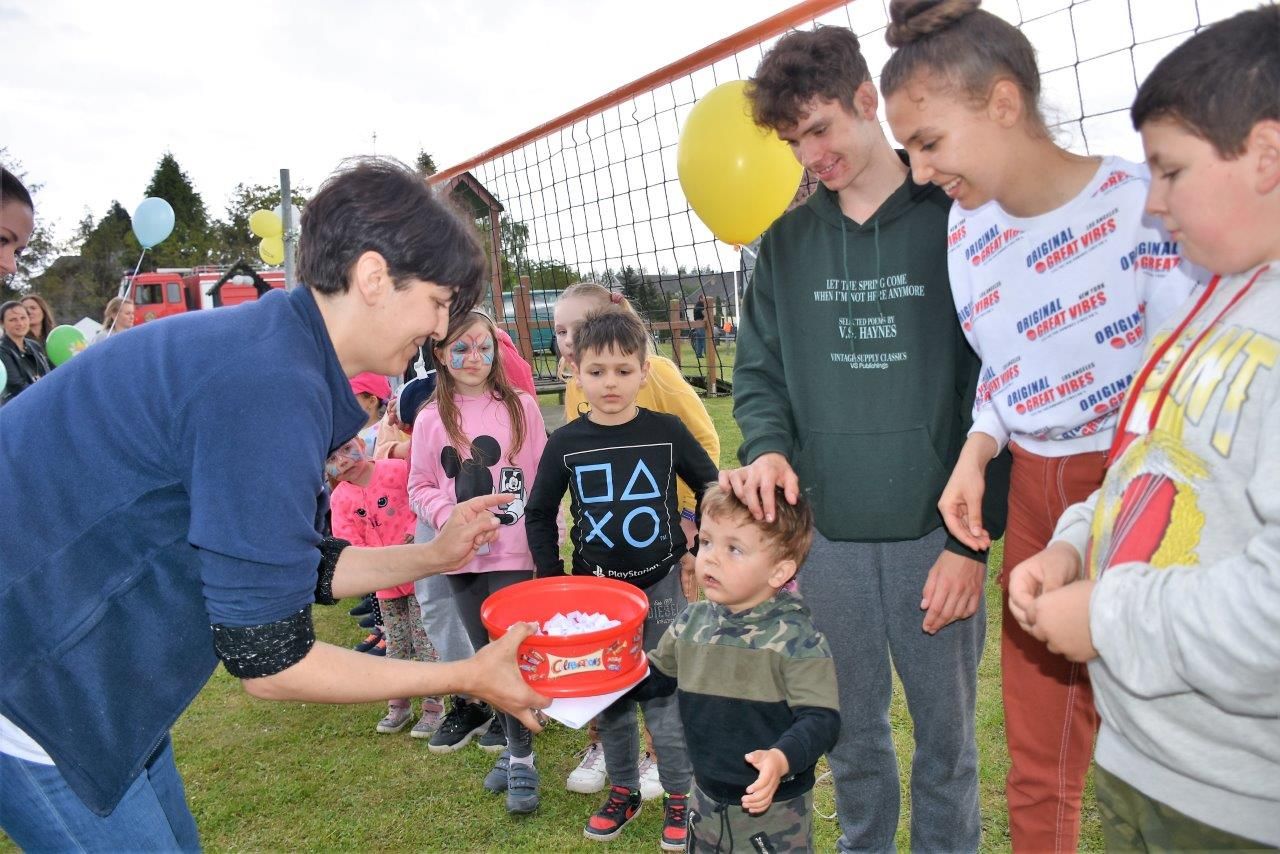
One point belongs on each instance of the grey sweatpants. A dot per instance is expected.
(865, 597)
(439, 613)
(617, 724)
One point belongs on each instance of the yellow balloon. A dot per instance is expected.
(265, 224)
(271, 250)
(738, 177)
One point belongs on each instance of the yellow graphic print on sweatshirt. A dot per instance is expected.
(1155, 517)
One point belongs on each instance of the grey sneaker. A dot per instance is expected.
(522, 789)
(432, 714)
(493, 740)
(588, 777)
(463, 721)
(496, 780)
(397, 718)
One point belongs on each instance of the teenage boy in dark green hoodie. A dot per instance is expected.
(854, 383)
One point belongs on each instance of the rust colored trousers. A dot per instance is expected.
(1050, 720)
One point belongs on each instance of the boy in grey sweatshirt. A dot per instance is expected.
(1178, 610)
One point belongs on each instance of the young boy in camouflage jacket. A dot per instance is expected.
(754, 738)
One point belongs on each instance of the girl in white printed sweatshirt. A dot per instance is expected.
(1056, 275)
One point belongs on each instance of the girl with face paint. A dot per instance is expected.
(479, 435)
(370, 507)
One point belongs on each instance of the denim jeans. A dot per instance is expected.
(40, 813)
(617, 724)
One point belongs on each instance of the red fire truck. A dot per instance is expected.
(170, 291)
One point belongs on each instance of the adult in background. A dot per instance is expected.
(116, 318)
(23, 358)
(204, 439)
(41, 315)
(23, 364)
(853, 380)
(698, 334)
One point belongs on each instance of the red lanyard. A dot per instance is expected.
(1139, 383)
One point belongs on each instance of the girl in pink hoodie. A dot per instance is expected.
(476, 436)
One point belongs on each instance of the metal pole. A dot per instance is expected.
(286, 220)
(736, 319)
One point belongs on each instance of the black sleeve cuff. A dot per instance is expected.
(656, 684)
(330, 549)
(956, 547)
(250, 652)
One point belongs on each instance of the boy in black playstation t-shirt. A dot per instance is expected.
(620, 463)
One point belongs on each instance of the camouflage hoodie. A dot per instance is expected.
(757, 679)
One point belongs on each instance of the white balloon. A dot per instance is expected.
(294, 211)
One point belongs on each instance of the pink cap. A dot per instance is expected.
(371, 384)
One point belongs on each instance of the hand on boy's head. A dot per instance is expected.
(1060, 618)
(773, 766)
(756, 484)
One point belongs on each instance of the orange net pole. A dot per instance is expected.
(800, 13)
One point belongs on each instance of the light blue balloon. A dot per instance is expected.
(4, 376)
(152, 222)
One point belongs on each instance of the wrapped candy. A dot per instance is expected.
(576, 623)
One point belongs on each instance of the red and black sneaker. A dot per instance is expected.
(622, 806)
(675, 824)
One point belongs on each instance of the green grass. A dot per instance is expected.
(266, 776)
(691, 366)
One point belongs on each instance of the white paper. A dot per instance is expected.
(576, 712)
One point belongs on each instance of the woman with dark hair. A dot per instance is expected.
(23, 357)
(207, 436)
(42, 318)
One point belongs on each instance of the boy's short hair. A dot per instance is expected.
(789, 535)
(1220, 82)
(825, 62)
(381, 205)
(620, 331)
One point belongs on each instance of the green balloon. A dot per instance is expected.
(63, 343)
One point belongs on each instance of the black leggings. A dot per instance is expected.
(470, 589)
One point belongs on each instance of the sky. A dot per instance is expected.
(95, 93)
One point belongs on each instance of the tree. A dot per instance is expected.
(193, 240)
(550, 275)
(41, 248)
(640, 293)
(515, 248)
(425, 164)
(235, 240)
(79, 286)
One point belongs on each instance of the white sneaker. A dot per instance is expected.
(650, 785)
(588, 778)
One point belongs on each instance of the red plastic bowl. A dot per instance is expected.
(584, 665)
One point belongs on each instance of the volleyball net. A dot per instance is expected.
(593, 195)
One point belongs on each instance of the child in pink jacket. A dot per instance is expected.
(370, 507)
